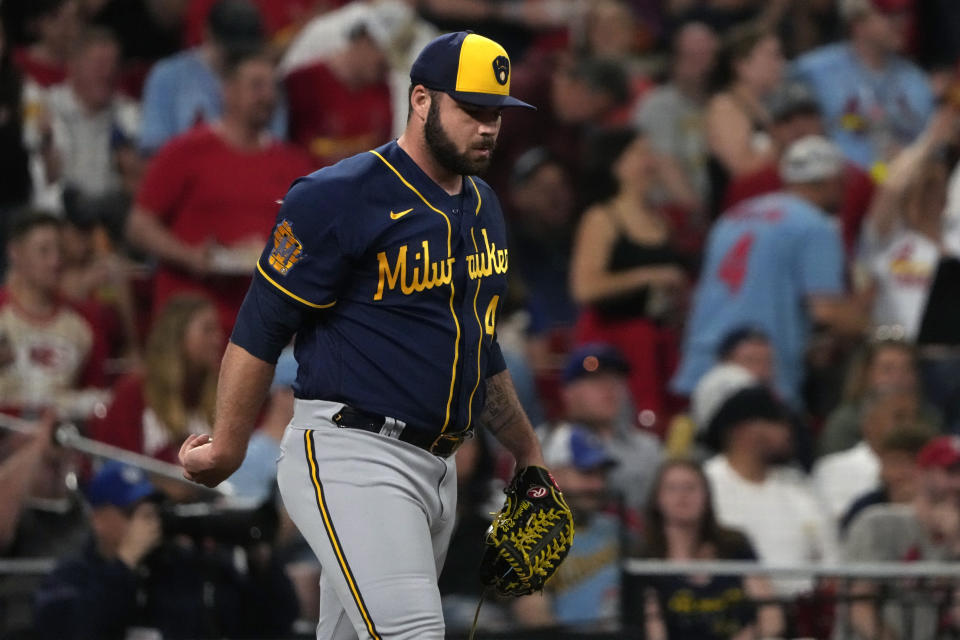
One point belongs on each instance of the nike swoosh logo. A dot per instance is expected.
(397, 216)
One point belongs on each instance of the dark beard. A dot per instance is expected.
(444, 151)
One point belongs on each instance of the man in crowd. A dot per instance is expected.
(794, 114)
(777, 262)
(755, 492)
(585, 592)
(843, 476)
(129, 577)
(184, 90)
(50, 352)
(927, 529)
(595, 396)
(874, 101)
(341, 106)
(208, 196)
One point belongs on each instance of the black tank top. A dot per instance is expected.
(628, 254)
(717, 172)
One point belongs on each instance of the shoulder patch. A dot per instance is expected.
(286, 248)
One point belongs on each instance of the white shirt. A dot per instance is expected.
(781, 515)
(842, 477)
(902, 271)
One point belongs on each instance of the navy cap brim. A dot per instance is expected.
(488, 99)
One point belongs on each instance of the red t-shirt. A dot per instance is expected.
(333, 121)
(204, 190)
(858, 193)
(40, 71)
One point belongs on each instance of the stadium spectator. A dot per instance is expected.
(148, 30)
(926, 529)
(92, 123)
(209, 196)
(672, 117)
(843, 476)
(874, 102)
(903, 236)
(340, 106)
(54, 26)
(775, 262)
(880, 367)
(14, 161)
(753, 490)
(737, 121)
(153, 411)
(51, 353)
(574, 97)
(680, 525)
(584, 594)
(128, 577)
(898, 472)
(540, 207)
(185, 89)
(626, 272)
(595, 396)
(794, 114)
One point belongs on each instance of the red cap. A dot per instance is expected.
(943, 452)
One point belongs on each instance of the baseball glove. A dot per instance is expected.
(529, 537)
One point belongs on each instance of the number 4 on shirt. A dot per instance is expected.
(733, 267)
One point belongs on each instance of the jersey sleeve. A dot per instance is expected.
(306, 258)
(820, 267)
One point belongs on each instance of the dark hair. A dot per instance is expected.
(605, 76)
(603, 148)
(36, 9)
(94, 35)
(236, 58)
(726, 542)
(737, 45)
(26, 222)
(736, 337)
(908, 439)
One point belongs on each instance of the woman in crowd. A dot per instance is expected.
(680, 525)
(625, 271)
(882, 366)
(155, 410)
(750, 68)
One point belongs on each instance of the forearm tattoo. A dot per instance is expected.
(502, 407)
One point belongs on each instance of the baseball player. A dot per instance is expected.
(390, 267)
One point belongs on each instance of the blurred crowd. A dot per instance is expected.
(735, 243)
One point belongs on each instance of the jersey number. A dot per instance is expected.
(490, 317)
(733, 267)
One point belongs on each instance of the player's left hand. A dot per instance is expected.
(200, 462)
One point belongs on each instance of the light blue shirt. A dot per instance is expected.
(867, 113)
(257, 476)
(586, 589)
(182, 91)
(763, 259)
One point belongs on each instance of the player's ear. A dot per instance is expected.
(420, 99)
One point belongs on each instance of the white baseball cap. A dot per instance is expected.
(811, 159)
(715, 387)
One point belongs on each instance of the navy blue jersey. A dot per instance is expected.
(405, 281)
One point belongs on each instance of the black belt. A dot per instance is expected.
(443, 444)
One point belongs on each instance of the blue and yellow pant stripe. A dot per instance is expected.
(334, 539)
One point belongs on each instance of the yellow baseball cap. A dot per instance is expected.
(469, 68)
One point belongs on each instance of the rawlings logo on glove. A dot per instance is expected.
(529, 537)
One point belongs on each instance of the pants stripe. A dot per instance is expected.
(334, 540)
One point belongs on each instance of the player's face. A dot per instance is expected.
(203, 339)
(37, 258)
(682, 498)
(461, 137)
